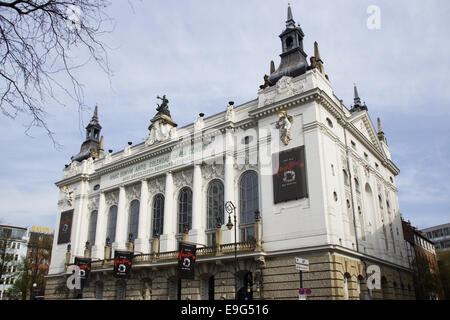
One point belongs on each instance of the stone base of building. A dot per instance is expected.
(333, 275)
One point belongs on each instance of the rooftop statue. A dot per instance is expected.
(163, 108)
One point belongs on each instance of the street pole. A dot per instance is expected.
(235, 257)
(301, 279)
(230, 208)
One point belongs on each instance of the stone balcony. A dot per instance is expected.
(222, 250)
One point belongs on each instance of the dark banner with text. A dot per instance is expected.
(289, 178)
(122, 264)
(186, 260)
(65, 227)
(84, 265)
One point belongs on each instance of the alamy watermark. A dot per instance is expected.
(374, 277)
(374, 19)
(73, 19)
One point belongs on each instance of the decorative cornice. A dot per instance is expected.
(285, 104)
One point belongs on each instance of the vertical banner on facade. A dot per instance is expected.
(65, 227)
(289, 178)
(122, 264)
(186, 260)
(84, 265)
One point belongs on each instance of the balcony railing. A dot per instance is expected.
(224, 249)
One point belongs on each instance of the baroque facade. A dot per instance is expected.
(307, 176)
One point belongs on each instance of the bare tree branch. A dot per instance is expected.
(37, 40)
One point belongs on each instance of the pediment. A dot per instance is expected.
(364, 125)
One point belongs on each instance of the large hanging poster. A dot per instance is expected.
(289, 178)
(65, 227)
(84, 265)
(186, 260)
(122, 264)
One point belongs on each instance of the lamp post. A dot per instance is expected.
(231, 208)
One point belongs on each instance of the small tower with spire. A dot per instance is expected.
(92, 146)
(357, 106)
(381, 136)
(293, 58)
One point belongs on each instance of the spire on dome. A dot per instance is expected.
(293, 58)
(94, 120)
(358, 106)
(381, 136)
(91, 147)
(356, 99)
(290, 23)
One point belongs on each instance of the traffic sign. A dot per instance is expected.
(301, 267)
(301, 261)
(301, 264)
(308, 291)
(301, 291)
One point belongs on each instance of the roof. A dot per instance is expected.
(436, 227)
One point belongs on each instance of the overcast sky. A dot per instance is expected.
(202, 54)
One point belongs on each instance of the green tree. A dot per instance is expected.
(444, 270)
(21, 286)
(5, 254)
(427, 282)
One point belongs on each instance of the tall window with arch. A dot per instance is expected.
(121, 290)
(92, 228)
(248, 204)
(345, 175)
(158, 215)
(133, 219)
(215, 209)
(111, 225)
(346, 285)
(184, 209)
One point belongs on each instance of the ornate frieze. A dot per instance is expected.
(183, 179)
(112, 198)
(157, 185)
(213, 171)
(133, 192)
(93, 204)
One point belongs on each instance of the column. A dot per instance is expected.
(122, 222)
(98, 249)
(197, 233)
(80, 224)
(229, 187)
(142, 243)
(167, 239)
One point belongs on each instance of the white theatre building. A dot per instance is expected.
(308, 178)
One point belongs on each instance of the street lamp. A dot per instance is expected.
(231, 208)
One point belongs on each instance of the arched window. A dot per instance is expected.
(184, 209)
(133, 221)
(357, 186)
(158, 215)
(248, 204)
(289, 42)
(111, 227)
(215, 204)
(245, 285)
(121, 290)
(174, 285)
(344, 172)
(346, 282)
(92, 228)
(146, 289)
(207, 287)
(99, 290)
